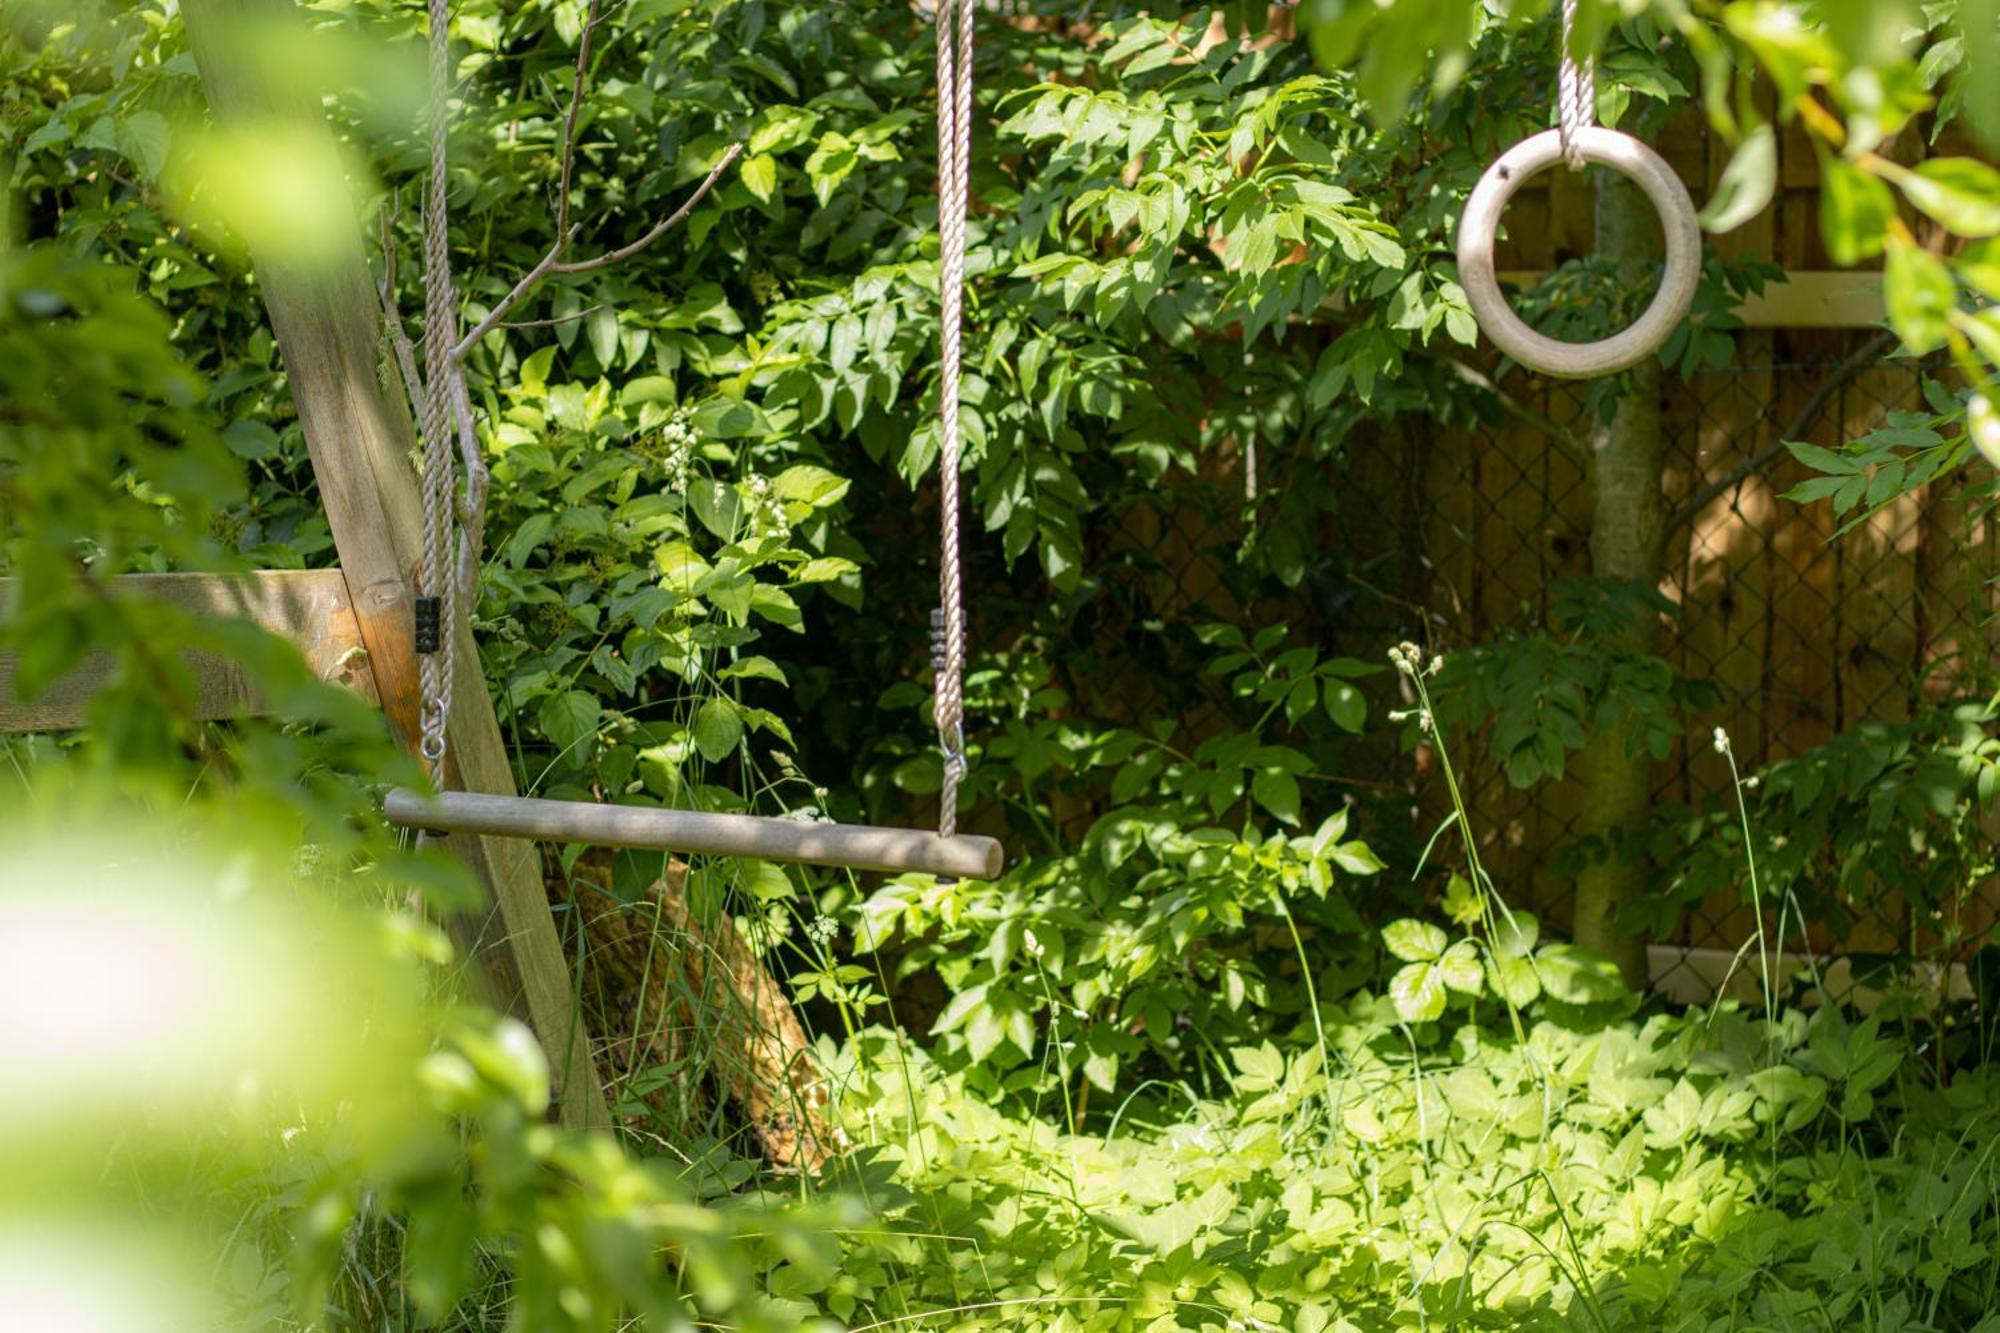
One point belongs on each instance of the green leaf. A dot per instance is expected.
(1277, 791)
(1746, 184)
(534, 377)
(1961, 192)
(1919, 292)
(1461, 903)
(717, 729)
(1414, 941)
(1418, 992)
(1979, 20)
(602, 326)
(570, 719)
(1514, 979)
(534, 530)
(1515, 934)
(1261, 1066)
(959, 1009)
(753, 668)
(1460, 968)
(717, 505)
(1345, 705)
(145, 138)
(251, 439)
(680, 564)
(824, 569)
(1855, 209)
(1978, 265)
(759, 175)
(1822, 459)
(1983, 424)
(1577, 976)
(764, 882)
(809, 484)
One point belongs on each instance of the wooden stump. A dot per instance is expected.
(689, 993)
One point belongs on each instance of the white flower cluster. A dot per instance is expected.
(680, 438)
(1408, 658)
(767, 512)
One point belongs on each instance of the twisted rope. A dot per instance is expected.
(1576, 92)
(439, 573)
(954, 77)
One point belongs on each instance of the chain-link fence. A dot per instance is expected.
(1452, 536)
(1804, 629)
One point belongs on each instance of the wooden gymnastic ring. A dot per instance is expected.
(1480, 224)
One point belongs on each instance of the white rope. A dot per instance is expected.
(441, 569)
(954, 78)
(1576, 92)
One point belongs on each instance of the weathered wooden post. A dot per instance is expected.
(327, 319)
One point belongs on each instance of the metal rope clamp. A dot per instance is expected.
(1479, 226)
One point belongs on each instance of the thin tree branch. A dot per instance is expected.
(1836, 379)
(579, 83)
(665, 225)
(553, 320)
(472, 505)
(1577, 450)
(567, 231)
(552, 262)
(392, 318)
(522, 290)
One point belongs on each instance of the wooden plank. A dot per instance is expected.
(1701, 975)
(326, 316)
(310, 607)
(1818, 299)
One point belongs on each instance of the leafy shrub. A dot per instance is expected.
(1163, 933)
(1885, 820)
(1532, 698)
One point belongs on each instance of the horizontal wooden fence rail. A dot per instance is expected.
(1806, 299)
(309, 607)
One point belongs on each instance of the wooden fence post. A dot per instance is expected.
(327, 319)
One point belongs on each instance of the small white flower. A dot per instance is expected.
(1032, 943)
(1721, 741)
(1752, 782)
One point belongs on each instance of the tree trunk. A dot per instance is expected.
(1617, 785)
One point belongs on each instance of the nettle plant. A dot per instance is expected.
(1163, 930)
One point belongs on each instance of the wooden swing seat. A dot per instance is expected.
(850, 846)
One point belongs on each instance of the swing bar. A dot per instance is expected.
(853, 846)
